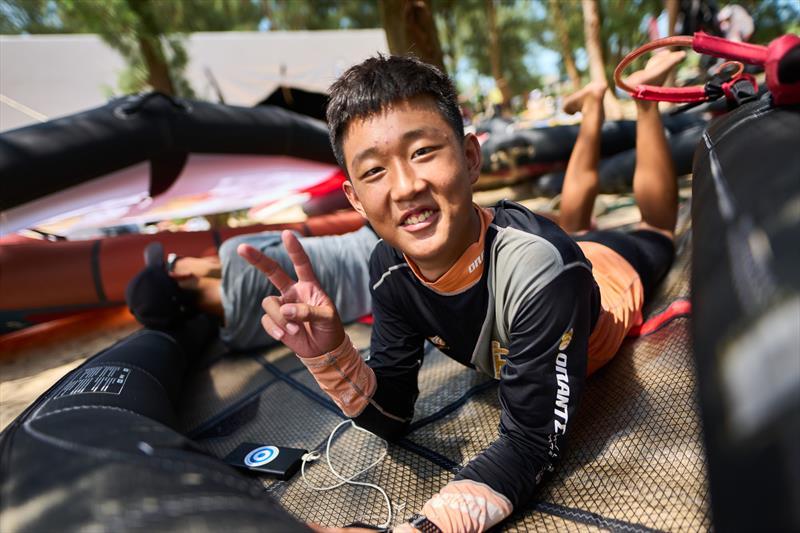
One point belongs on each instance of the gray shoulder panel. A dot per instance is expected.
(520, 265)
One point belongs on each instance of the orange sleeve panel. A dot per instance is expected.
(344, 376)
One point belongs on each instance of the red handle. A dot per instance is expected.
(751, 54)
(701, 43)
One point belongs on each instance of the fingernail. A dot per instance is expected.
(277, 333)
(289, 311)
(292, 328)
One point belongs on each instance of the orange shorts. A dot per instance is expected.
(621, 301)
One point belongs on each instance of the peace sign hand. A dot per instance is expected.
(303, 317)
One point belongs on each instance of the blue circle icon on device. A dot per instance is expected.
(261, 456)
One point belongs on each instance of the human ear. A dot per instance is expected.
(352, 197)
(472, 153)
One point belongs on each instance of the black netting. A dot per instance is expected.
(636, 451)
(635, 459)
(408, 479)
(442, 382)
(282, 418)
(541, 522)
(209, 391)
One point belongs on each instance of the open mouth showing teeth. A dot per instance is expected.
(417, 218)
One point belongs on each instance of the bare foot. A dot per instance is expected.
(657, 69)
(574, 102)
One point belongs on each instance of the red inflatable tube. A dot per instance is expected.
(43, 276)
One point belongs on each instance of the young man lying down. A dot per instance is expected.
(499, 289)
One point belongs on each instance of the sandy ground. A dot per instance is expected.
(27, 373)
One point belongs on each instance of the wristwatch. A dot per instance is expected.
(171, 260)
(421, 522)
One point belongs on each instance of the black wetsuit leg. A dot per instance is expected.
(98, 451)
(649, 252)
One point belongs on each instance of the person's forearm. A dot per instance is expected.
(352, 385)
(344, 376)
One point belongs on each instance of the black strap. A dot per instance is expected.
(98, 280)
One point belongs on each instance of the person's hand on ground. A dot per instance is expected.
(303, 317)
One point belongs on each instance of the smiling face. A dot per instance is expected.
(411, 177)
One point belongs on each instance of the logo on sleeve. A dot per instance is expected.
(566, 338)
(498, 359)
(561, 410)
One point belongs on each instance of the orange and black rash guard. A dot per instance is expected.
(525, 319)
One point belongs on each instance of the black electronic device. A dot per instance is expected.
(277, 461)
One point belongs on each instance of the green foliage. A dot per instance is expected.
(523, 25)
(321, 14)
(623, 29)
(772, 18)
(30, 16)
(211, 15)
(131, 27)
(571, 16)
(465, 37)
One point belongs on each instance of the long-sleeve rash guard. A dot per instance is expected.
(521, 305)
(526, 321)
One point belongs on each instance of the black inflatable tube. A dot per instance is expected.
(616, 172)
(98, 452)
(45, 158)
(554, 144)
(746, 314)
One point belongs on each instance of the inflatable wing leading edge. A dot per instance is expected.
(107, 165)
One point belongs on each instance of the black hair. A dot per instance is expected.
(371, 86)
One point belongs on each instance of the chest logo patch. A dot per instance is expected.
(438, 342)
(566, 338)
(475, 264)
(498, 353)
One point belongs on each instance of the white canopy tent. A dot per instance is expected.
(48, 76)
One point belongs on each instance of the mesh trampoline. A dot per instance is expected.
(635, 460)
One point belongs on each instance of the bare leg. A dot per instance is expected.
(202, 267)
(655, 185)
(201, 276)
(581, 180)
(208, 296)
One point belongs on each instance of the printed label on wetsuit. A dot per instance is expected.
(99, 379)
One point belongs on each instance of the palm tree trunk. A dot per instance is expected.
(673, 7)
(149, 39)
(410, 28)
(494, 53)
(566, 47)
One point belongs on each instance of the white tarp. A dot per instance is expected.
(48, 76)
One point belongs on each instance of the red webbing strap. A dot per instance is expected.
(752, 54)
(670, 94)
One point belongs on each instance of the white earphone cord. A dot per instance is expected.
(313, 456)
